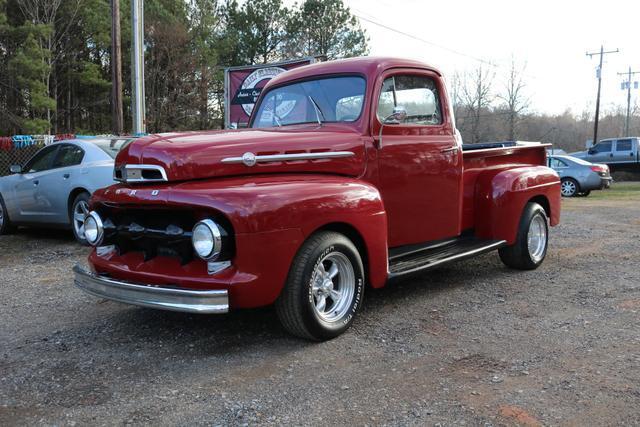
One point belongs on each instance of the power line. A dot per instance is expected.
(420, 39)
(387, 27)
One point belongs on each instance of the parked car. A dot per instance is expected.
(351, 173)
(54, 186)
(579, 177)
(620, 154)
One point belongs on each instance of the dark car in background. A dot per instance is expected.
(579, 177)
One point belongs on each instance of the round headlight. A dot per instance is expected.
(93, 229)
(207, 239)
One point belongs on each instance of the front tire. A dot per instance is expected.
(569, 187)
(324, 289)
(79, 208)
(532, 240)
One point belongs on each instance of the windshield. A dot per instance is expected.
(111, 146)
(333, 99)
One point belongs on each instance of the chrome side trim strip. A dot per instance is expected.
(164, 298)
(249, 159)
(125, 173)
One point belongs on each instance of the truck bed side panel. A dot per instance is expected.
(499, 182)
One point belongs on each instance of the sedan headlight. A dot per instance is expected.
(207, 239)
(93, 229)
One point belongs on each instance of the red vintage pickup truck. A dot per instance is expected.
(350, 173)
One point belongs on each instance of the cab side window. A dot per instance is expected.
(623, 145)
(602, 147)
(418, 95)
(42, 160)
(68, 155)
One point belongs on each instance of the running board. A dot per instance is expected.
(429, 257)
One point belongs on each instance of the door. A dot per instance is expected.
(419, 159)
(58, 182)
(34, 205)
(601, 152)
(623, 151)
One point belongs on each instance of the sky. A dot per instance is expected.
(550, 37)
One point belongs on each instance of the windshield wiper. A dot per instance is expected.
(318, 110)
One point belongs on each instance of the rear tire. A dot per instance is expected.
(569, 187)
(324, 289)
(5, 224)
(79, 208)
(532, 240)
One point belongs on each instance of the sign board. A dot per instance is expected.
(242, 87)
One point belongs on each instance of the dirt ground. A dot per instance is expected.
(469, 344)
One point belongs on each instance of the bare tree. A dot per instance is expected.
(477, 98)
(515, 100)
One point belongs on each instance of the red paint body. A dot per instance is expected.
(398, 191)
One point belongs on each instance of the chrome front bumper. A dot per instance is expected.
(190, 301)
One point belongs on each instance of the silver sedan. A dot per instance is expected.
(579, 177)
(54, 186)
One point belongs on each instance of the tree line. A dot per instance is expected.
(493, 104)
(55, 57)
(55, 68)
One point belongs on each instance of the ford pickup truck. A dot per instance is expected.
(620, 154)
(351, 174)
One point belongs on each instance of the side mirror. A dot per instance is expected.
(592, 151)
(15, 169)
(398, 116)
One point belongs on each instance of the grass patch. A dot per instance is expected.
(618, 190)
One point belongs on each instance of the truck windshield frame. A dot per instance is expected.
(339, 99)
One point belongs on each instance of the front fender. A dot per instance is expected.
(271, 216)
(501, 197)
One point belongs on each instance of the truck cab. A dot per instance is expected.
(619, 154)
(350, 175)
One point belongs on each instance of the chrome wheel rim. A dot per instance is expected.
(568, 188)
(537, 238)
(80, 211)
(333, 286)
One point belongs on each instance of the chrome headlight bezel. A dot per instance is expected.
(93, 216)
(215, 236)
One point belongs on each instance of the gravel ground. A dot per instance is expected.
(469, 344)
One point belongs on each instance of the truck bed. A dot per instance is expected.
(492, 158)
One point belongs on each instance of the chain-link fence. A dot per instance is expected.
(16, 156)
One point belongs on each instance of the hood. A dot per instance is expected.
(199, 155)
(578, 154)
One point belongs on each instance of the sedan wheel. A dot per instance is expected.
(568, 188)
(79, 210)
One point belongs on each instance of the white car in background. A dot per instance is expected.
(54, 186)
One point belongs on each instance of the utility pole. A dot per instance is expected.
(116, 70)
(602, 53)
(137, 59)
(628, 83)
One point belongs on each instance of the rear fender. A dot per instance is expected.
(501, 197)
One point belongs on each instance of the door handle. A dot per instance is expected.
(35, 183)
(611, 155)
(66, 176)
(450, 149)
